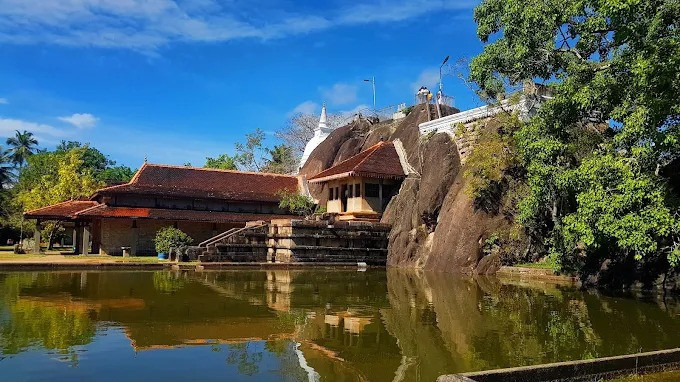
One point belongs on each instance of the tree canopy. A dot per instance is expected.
(596, 155)
(21, 146)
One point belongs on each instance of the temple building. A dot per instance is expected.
(360, 187)
(320, 133)
(200, 202)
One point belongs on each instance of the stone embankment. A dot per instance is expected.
(598, 369)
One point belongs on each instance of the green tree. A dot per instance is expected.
(222, 162)
(92, 158)
(250, 155)
(6, 173)
(103, 168)
(298, 204)
(67, 179)
(115, 175)
(22, 146)
(281, 161)
(596, 152)
(58, 177)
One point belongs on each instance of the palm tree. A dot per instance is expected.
(6, 168)
(22, 145)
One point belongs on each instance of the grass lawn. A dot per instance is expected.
(13, 256)
(56, 256)
(135, 259)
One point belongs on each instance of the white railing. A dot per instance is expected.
(448, 124)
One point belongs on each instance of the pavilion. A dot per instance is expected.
(360, 187)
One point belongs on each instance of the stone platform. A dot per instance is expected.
(298, 241)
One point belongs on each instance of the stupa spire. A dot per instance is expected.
(323, 120)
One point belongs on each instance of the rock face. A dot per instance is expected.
(434, 223)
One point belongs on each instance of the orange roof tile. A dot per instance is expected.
(104, 211)
(378, 161)
(60, 211)
(191, 182)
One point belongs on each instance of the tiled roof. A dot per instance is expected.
(104, 211)
(378, 161)
(60, 211)
(181, 181)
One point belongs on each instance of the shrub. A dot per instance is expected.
(298, 204)
(169, 237)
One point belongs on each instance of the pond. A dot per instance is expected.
(307, 325)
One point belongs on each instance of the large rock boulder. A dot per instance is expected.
(434, 223)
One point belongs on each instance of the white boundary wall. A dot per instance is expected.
(448, 124)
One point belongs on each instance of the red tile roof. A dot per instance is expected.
(378, 161)
(104, 211)
(190, 182)
(61, 211)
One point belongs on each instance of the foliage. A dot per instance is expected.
(282, 160)
(115, 175)
(595, 153)
(6, 174)
(103, 168)
(48, 182)
(493, 165)
(169, 237)
(407, 110)
(167, 282)
(222, 162)
(296, 203)
(253, 155)
(22, 145)
(300, 129)
(249, 155)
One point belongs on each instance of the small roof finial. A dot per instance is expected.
(146, 159)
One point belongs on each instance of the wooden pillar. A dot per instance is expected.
(96, 236)
(135, 238)
(74, 238)
(78, 242)
(36, 237)
(380, 196)
(85, 246)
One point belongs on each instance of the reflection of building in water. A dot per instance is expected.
(231, 308)
(279, 289)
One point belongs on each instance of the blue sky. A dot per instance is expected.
(179, 80)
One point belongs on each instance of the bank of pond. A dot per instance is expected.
(309, 324)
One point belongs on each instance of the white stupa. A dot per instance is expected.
(320, 133)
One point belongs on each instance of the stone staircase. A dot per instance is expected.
(248, 244)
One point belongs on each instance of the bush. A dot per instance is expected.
(169, 237)
(298, 204)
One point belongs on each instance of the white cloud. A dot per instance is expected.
(146, 25)
(307, 107)
(81, 121)
(44, 133)
(3, 101)
(428, 77)
(340, 94)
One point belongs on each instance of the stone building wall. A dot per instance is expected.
(117, 233)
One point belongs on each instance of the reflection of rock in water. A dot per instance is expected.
(452, 324)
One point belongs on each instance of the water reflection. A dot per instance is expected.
(308, 325)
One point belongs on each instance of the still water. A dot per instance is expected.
(306, 325)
